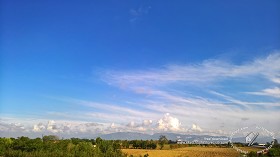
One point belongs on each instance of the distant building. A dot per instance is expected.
(179, 141)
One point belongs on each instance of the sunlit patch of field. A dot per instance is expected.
(185, 152)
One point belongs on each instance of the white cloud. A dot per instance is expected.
(275, 92)
(146, 125)
(13, 127)
(39, 127)
(205, 72)
(276, 80)
(147, 122)
(52, 127)
(196, 128)
(68, 127)
(112, 109)
(131, 124)
(272, 92)
(113, 125)
(169, 123)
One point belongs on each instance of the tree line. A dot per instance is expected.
(52, 146)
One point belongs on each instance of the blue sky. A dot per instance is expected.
(82, 68)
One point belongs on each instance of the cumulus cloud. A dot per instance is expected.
(39, 127)
(13, 127)
(68, 127)
(169, 123)
(166, 123)
(18, 126)
(88, 127)
(196, 128)
(113, 125)
(131, 124)
(147, 122)
(52, 127)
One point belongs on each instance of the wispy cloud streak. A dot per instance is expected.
(205, 72)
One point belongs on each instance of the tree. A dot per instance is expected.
(20, 143)
(152, 145)
(50, 138)
(98, 140)
(162, 140)
(5, 143)
(34, 144)
(75, 140)
(125, 144)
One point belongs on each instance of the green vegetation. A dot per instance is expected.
(141, 144)
(51, 146)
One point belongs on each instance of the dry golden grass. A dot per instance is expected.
(185, 152)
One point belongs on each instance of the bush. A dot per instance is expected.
(274, 152)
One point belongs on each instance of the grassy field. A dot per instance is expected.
(185, 152)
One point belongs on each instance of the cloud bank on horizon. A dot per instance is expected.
(211, 97)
